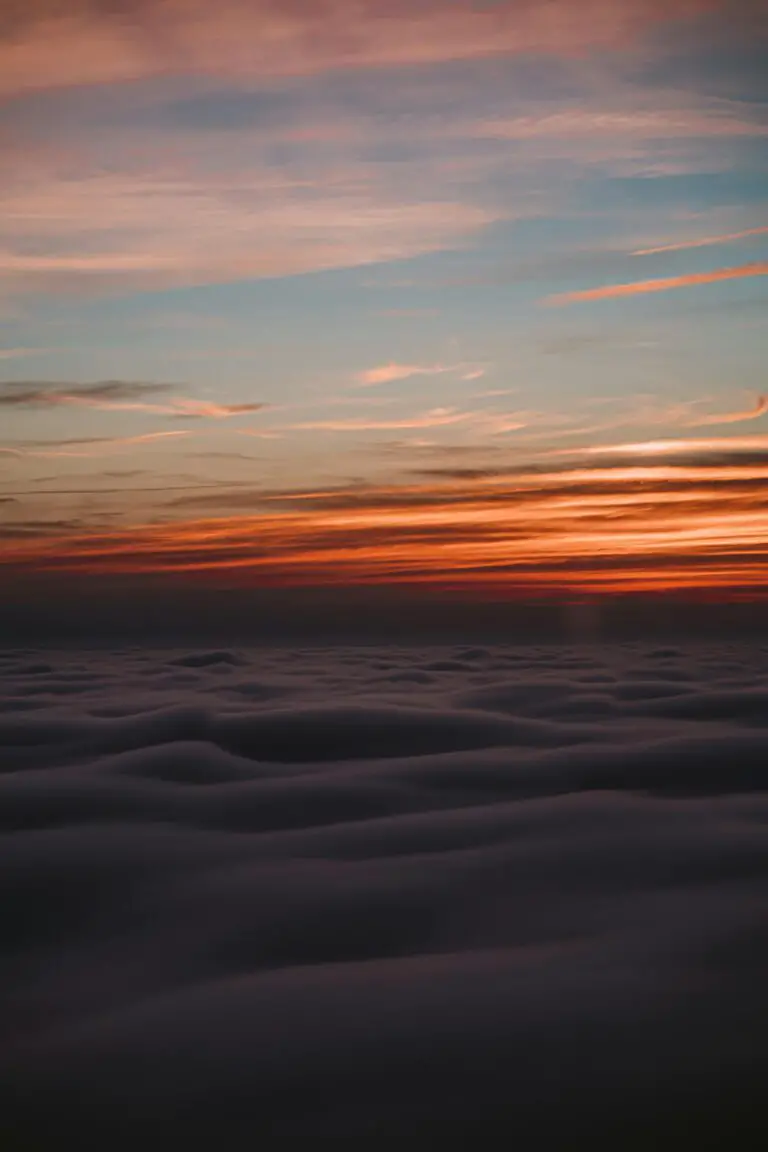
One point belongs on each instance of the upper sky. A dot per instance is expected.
(384, 290)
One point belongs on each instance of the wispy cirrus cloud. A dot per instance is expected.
(117, 396)
(759, 409)
(146, 228)
(85, 446)
(92, 42)
(664, 122)
(388, 373)
(435, 418)
(581, 527)
(485, 422)
(662, 284)
(690, 445)
(702, 241)
(21, 353)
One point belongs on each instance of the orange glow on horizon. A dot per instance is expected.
(615, 531)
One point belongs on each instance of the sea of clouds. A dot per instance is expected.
(382, 897)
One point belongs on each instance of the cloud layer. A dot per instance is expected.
(650, 516)
(115, 396)
(92, 44)
(371, 896)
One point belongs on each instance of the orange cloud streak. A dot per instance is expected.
(701, 242)
(589, 530)
(760, 409)
(665, 284)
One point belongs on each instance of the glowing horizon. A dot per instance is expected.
(456, 295)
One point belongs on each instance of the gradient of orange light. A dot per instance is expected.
(532, 538)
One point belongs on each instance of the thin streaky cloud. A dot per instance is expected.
(96, 43)
(488, 423)
(189, 409)
(701, 242)
(193, 229)
(759, 409)
(437, 418)
(663, 284)
(632, 528)
(653, 447)
(20, 353)
(597, 123)
(117, 396)
(388, 373)
(44, 394)
(105, 443)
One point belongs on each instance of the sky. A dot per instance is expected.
(467, 296)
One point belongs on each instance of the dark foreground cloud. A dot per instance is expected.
(41, 394)
(380, 897)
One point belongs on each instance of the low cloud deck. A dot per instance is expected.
(361, 897)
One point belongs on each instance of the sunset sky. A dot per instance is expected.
(462, 295)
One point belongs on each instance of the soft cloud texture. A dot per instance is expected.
(92, 44)
(139, 229)
(116, 396)
(366, 896)
(693, 520)
(386, 373)
(662, 284)
(760, 409)
(702, 241)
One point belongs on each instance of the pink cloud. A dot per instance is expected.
(479, 422)
(723, 118)
(387, 373)
(88, 42)
(701, 242)
(176, 407)
(149, 229)
(436, 418)
(664, 284)
(659, 447)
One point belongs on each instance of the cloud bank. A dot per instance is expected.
(365, 896)
(92, 44)
(650, 516)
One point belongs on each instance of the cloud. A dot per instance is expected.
(117, 396)
(721, 118)
(44, 448)
(387, 373)
(209, 223)
(694, 519)
(35, 394)
(664, 284)
(760, 409)
(652, 447)
(490, 423)
(701, 241)
(94, 44)
(20, 353)
(435, 418)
